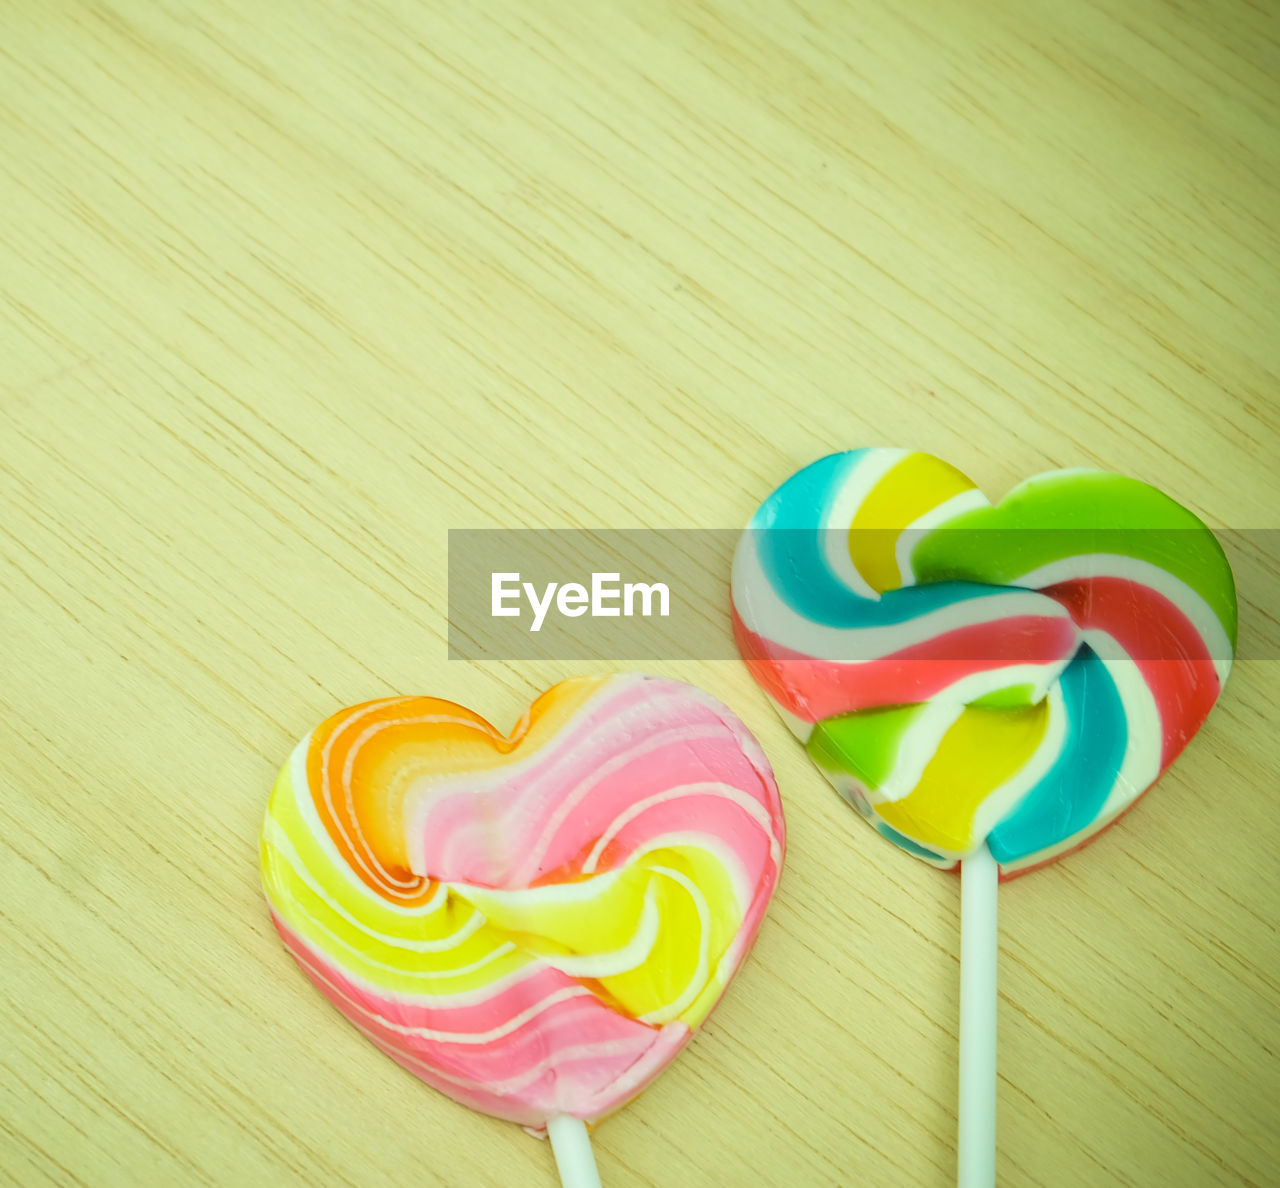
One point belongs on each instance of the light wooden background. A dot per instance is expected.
(289, 289)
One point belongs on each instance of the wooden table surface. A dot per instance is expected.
(287, 290)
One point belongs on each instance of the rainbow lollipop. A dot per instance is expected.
(989, 686)
(532, 923)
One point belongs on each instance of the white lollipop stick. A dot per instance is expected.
(571, 1146)
(979, 878)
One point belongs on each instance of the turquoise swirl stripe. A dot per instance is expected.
(790, 542)
(1069, 797)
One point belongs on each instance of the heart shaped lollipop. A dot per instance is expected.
(1016, 675)
(532, 923)
(988, 685)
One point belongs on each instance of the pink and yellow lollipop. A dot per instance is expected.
(532, 923)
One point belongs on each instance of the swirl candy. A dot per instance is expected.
(1017, 674)
(989, 685)
(532, 923)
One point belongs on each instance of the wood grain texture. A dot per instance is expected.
(287, 290)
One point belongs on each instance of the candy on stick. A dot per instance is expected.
(989, 686)
(532, 923)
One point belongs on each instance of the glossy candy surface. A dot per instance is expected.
(1017, 674)
(532, 923)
